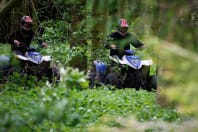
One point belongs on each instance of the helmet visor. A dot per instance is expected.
(123, 29)
(27, 24)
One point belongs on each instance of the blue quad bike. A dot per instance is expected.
(32, 63)
(134, 73)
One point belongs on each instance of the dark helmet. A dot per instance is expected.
(122, 26)
(26, 23)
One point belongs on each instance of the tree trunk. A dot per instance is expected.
(99, 19)
(122, 5)
(79, 61)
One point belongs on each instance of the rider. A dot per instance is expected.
(120, 40)
(20, 39)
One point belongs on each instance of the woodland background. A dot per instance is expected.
(168, 28)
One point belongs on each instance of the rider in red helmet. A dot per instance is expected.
(20, 39)
(120, 40)
(122, 27)
(26, 23)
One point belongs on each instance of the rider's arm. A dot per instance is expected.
(41, 43)
(14, 39)
(106, 43)
(11, 38)
(110, 42)
(136, 43)
(38, 39)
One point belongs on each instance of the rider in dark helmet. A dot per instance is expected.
(20, 39)
(120, 40)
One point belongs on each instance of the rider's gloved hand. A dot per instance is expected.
(113, 46)
(141, 47)
(16, 43)
(44, 45)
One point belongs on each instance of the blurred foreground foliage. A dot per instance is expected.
(70, 106)
(67, 107)
(178, 77)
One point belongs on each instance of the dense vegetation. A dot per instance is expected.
(75, 30)
(60, 108)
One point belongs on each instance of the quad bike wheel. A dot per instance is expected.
(91, 77)
(113, 79)
(152, 83)
(96, 79)
(53, 74)
(137, 79)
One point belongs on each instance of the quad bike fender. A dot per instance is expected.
(46, 58)
(4, 68)
(24, 58)
(116, 59)
(136, 64)
(147, 62)
(4, 61)
(101, 67)
(21, 57)
(98, 73)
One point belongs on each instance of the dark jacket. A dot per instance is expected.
(24, 39)
(122, 43)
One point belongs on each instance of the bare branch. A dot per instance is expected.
(6, 6)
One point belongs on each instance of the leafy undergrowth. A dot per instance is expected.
(70, 106)
(61, 109)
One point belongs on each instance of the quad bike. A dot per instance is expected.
(32, 63)
(134, 73)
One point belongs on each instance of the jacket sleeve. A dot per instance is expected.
(136, 43)
(109, 40)
(11, 38)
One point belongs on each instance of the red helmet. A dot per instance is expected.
(123, 23)
(122, 27)
(26, 24)
(26, 19)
